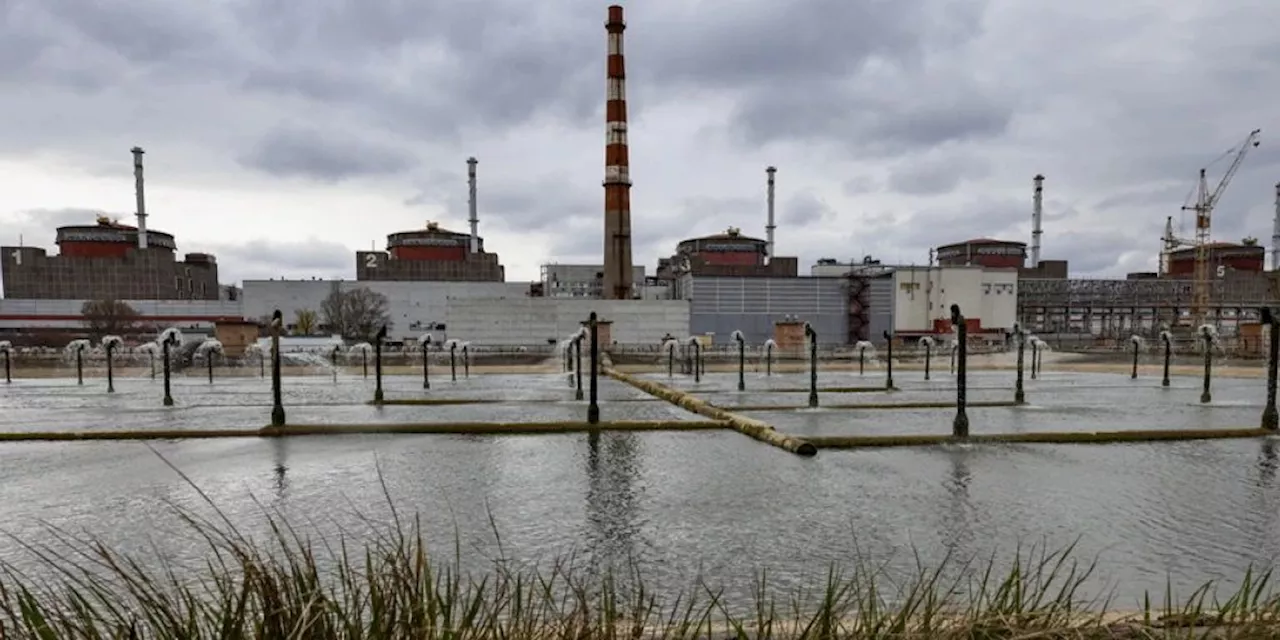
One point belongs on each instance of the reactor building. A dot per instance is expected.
(110, 260)
(434, 253)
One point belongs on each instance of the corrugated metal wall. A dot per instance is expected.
(719, 305)
(881, 302)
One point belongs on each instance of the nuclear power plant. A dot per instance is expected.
(451, 284)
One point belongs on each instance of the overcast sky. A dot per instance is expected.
(283, 136)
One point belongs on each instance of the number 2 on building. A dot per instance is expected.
(371, 261)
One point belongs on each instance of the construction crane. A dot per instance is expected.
(1206, 200)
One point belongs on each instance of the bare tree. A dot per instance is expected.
(304, 322)
(106, 317)
(355, 314)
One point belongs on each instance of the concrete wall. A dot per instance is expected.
(881, 302)
(414, 307)
(65, 314)
(721, 304)
(29, 273)
(535, 321)
(923, 295)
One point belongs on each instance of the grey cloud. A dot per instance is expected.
(270, 259)
(322, 155)
(936, 174)
(547, 203)
(860, 185)
(804, 209)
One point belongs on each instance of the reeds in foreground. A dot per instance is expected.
(387, 586)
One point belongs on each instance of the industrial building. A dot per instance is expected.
(110, 260)
(582, 280)
(488, 313)
(434, 253)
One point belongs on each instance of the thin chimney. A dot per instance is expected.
(1275, 233)
(617, 173)
(141, 195)
(1037, 212)
(471, 204)
(770, 226)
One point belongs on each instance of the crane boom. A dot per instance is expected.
(1206, 200)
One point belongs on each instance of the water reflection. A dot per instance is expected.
(279, 450)
(957, 533)
(1267, 463)
(613, 468)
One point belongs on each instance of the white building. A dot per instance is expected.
(923, 296)
(488, 313)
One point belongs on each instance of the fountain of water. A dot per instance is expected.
(1035, 355)
(75, 349)
(1208, 340)
(333, 361)
(425, 341)
(862, 347)
(363, 348)
(466, 359)
(695, 354)
(926, 344)
(452, 346)
(208, 349)
(742, 358)
(152, 349)
(109, 345)
(769, 346)
(6, 349)
(1138, 344)
(670, 346)
(1167, 339)
(593, 402)
(256, 349)
(169, 338)
(813, 363)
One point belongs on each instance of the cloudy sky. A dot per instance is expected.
(284, 135)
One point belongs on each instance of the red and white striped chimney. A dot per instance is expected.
(617, 283)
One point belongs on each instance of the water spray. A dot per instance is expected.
(208, 349)
(862, 346)
(670, 347)
(576, 343)
(769, 346)
(466, 359)
(76, 348)
(1137, 342)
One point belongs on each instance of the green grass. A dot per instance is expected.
(387, 585)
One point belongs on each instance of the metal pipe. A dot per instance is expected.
(960, 425)
(593, 408)
(769, 226)
(277, 399)
(1037, 214)
(472, 206)
(139, 193)
(1275, 234)
(813, 363)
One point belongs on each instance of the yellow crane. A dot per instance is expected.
(1206, 200)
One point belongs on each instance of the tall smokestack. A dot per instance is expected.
(1275, 233)
(141, 195)
(1037, 212)
(617, 175)
(770, 226)
(471, 204)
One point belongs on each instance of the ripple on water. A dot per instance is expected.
(677, 501)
